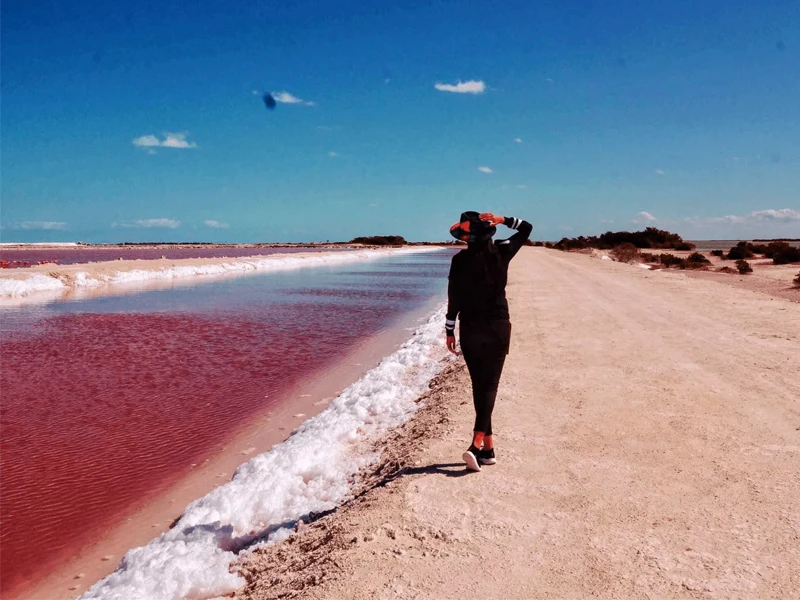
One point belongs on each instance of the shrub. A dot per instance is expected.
(773, 247)
(548, 245)
(796, 281)
(727, 270)
(688, 264)
(669, 260)
(786, 255)
(739, 252)
(625, 252)
(649, 258)
(757, 248)
(784, 252)
(380, 240)
(538, 244)
(578, 243)
(698, 259)
(719, 253)
(744, 267)
(649, 238)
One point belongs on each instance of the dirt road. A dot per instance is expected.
(648, 439)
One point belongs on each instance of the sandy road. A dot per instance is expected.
(648, 433)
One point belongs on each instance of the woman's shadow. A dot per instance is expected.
(446, 469)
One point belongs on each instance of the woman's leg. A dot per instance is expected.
(485, 346)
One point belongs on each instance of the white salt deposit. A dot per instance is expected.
(38, 282)
(312, 471)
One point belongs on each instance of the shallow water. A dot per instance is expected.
(109, 400)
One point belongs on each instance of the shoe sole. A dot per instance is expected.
(488, 461)
(471, 461)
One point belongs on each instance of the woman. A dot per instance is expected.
(477, 293)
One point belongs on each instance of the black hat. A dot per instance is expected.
(471, 228)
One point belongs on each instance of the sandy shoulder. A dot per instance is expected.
(620, 475)
(109, 268)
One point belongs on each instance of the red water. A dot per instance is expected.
(100, 411)
(71, 255)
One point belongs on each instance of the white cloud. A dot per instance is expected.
(462, 87)
(177, 140)
(373, 205)
(565, 227)
(333, 154)
(146, 141)
(171, 140)
(215, 224)
(645, 217)
(660, 172)
(43, 225)
(782, 215)
(285, 97)
(149, 223)
(518, 140)
(522, 187)
(606, 221)
(485, 170)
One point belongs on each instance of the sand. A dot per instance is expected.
(648, 435)
(766, 277)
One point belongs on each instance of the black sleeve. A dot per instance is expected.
(453, 296)
(511, 246)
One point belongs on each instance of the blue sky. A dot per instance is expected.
(140, 122)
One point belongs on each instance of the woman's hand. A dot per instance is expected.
(451, 343)
(492, 218)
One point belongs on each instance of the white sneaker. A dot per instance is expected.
(471, 459)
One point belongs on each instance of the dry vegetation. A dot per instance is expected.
(633, 247)
(380, 240)
(626, 252)
(781, 253)
(694, 261)
(649, 238)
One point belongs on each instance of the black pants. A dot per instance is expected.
(485, 345)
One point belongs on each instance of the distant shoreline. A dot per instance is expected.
(122, 245)
(709, 244)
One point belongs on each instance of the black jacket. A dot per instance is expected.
(481, 302)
